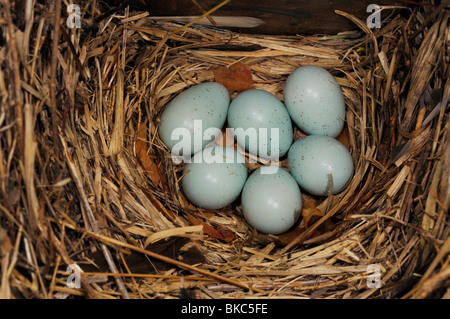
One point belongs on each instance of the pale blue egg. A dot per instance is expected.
(187, 119)
(314, 101)
(314, 159)
(261, 123)
(271, 203)
(215, 177)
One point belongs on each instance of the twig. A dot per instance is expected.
(115, 242)
(203, 12)
(202, 16)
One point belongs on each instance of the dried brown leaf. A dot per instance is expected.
(236, 78)
(218, 232)
(143, 152)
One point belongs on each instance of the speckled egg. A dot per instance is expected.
(271, 203)
(186, 119)
(314, 159)
(261, 123)
(215, 177)
(314, 101)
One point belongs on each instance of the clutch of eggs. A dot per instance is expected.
(216, 175)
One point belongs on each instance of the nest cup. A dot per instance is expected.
(113, 193)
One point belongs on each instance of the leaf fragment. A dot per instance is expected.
(236, 78)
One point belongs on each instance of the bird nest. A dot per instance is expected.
(91, 204)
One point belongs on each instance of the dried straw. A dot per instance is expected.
(74, 189)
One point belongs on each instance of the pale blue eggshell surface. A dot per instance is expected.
(262, 111)
(271, 203)
(215, 177)
(314, 101)
(313, 158)
(207, 102)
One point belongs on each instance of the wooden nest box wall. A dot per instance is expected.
(287, 17)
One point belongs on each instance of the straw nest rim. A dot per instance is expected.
(100, 191)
